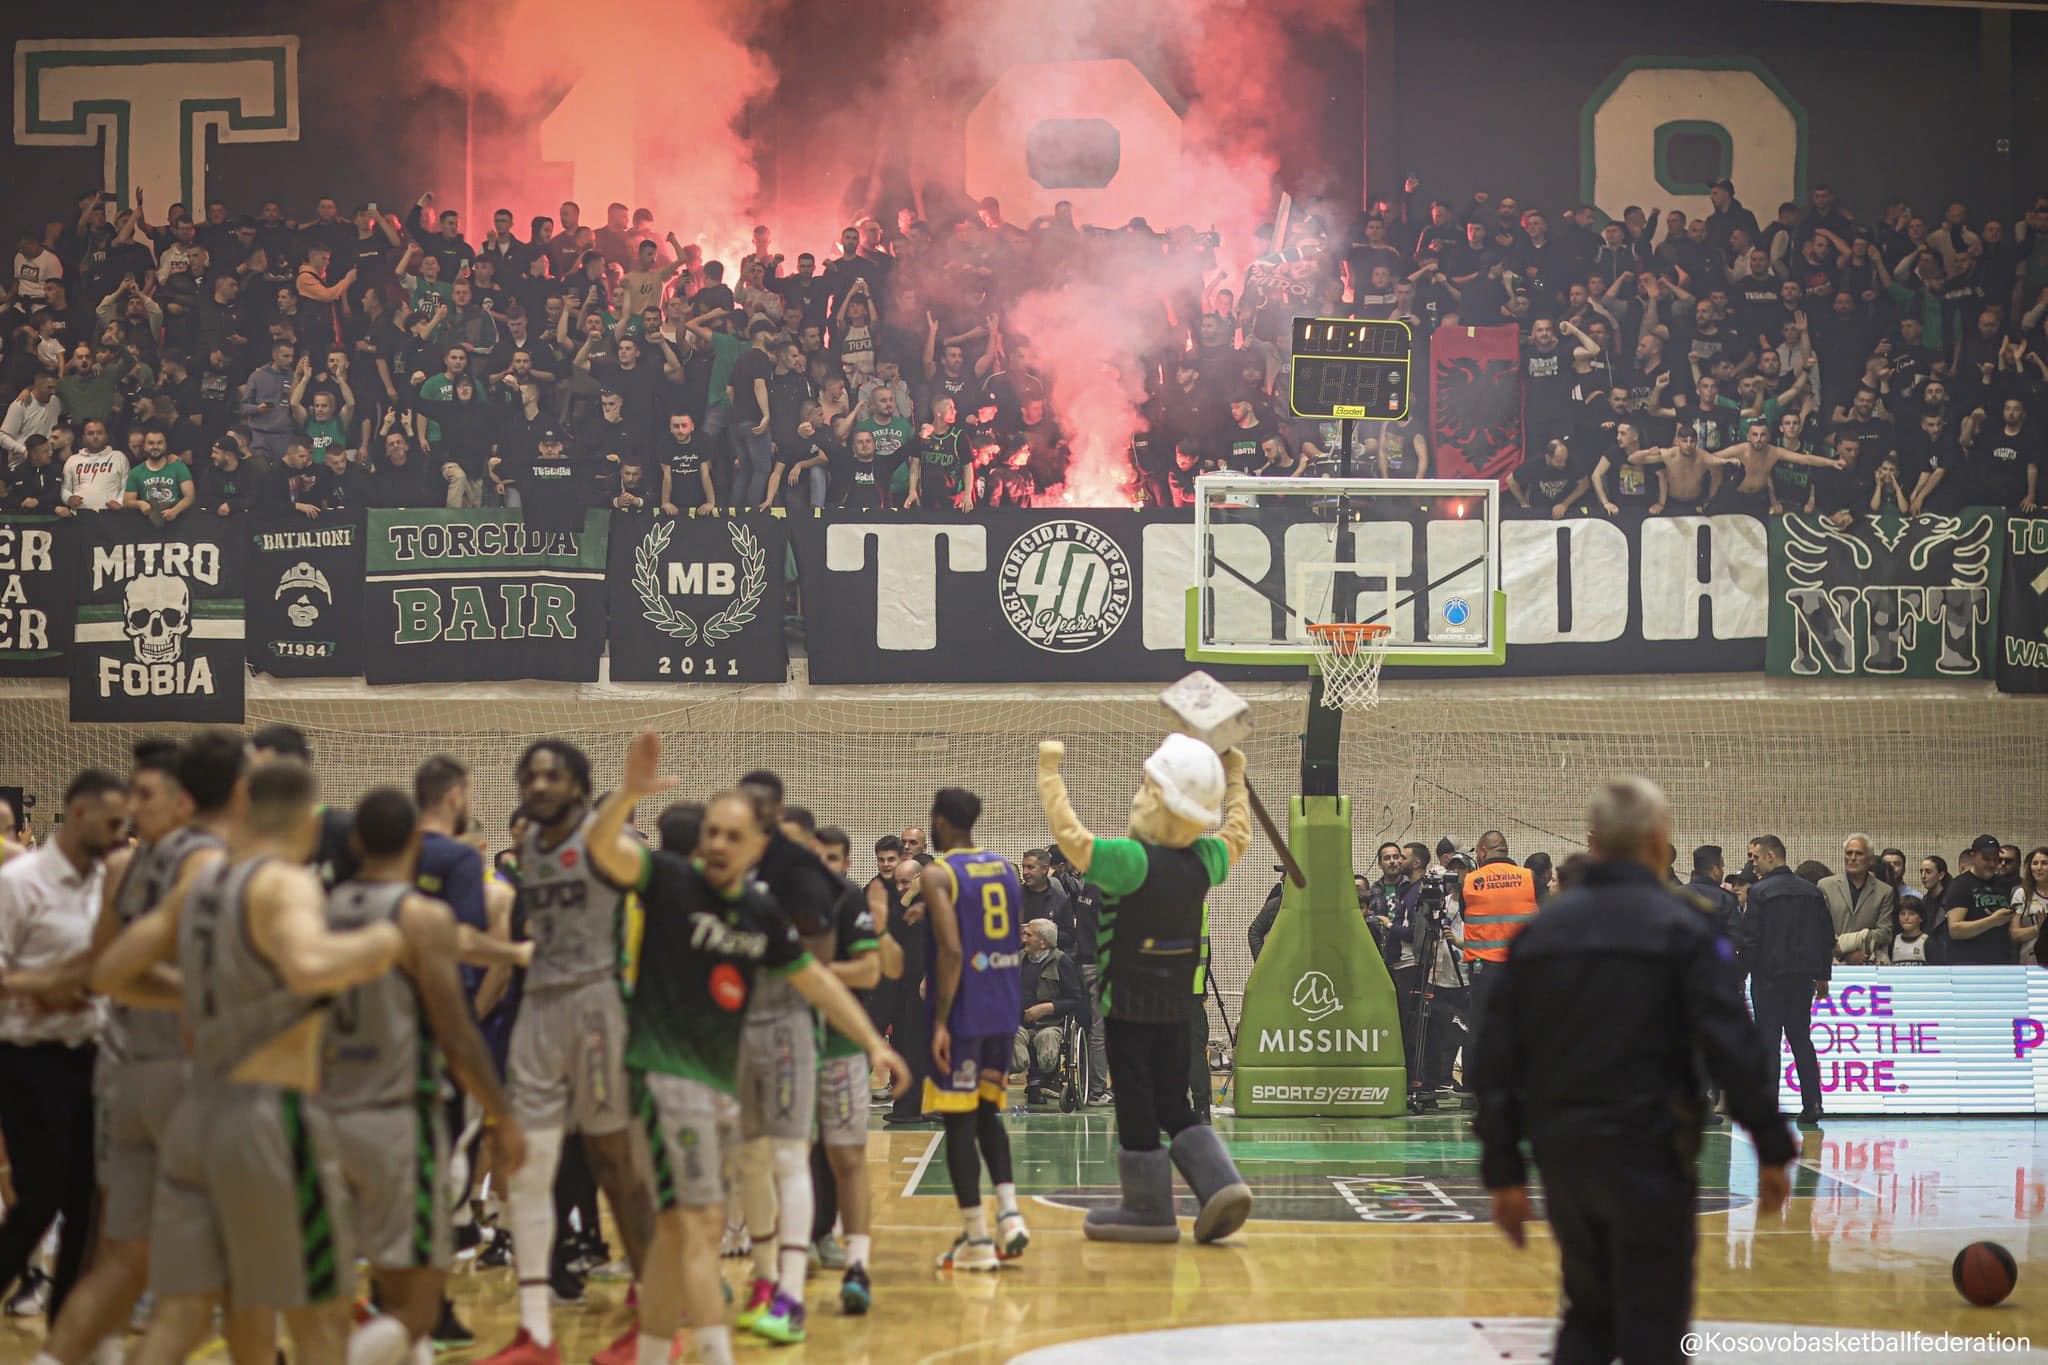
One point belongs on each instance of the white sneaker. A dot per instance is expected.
(1011, 1237)
(971, 1253)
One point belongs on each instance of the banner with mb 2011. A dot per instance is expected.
(160, 622)
(1885, 596)
(477, 596)
(697, 599)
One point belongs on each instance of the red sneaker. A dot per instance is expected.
(524, 1350)
(624, 1351)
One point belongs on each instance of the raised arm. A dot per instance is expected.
(1067, 830)
(615, 853)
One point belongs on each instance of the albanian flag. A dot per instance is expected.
(1475, 402)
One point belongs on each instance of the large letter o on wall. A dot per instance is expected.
(1741, 123)
(1096, 133)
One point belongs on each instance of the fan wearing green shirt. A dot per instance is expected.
(325, 419)
(1152, 952)
(710, 933)
(160, 487)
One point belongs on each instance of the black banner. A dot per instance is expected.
(2021, 640)
(305, 596)
(38, 595)
(697, 599)
(1885, 596)
(480, 597)
(160, 622)
(1099, 596)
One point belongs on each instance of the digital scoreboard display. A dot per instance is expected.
(1927, 1040)
(1350, 368)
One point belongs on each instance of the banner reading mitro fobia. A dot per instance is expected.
(1320, 1032)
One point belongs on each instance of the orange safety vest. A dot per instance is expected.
(1496, 901)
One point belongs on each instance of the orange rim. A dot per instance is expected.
(1348, 637)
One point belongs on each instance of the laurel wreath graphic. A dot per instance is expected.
(670, 619)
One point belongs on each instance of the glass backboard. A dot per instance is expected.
(1274, 555)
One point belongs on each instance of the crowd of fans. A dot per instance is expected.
(219, 365)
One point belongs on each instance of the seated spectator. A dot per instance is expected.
(1051, 985)
(636, 490)
(400, 476)
(296, 479)
(234, 482)
(95, 475)
(1553, 487)
(339, 483)
(160, 487)
(36, 484)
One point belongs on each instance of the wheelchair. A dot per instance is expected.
(1069, 1081)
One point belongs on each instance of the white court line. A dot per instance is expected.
(1821, 1170)
(931, 1149)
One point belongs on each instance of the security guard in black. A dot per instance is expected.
(1587, 1052)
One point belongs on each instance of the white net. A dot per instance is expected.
(1924, 767)
(1349, 658)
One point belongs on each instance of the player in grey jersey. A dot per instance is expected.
(566, 1066)
(250, 1208)
(177, 799)
(381, 1077)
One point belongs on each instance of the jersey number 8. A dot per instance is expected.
(995, 912)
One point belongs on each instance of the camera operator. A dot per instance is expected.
(1447, 999)
(1497, 899)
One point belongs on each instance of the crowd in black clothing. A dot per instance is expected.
(1913, 900)
(1811, 363)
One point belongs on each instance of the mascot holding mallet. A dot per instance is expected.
(1155, 885)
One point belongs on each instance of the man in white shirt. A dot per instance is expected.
(34, 412)
(96, 474)
(35, 265)
(49, 902)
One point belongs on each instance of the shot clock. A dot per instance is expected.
(1354, 368)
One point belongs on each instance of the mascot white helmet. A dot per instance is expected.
(1189, 776)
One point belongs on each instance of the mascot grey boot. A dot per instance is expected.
(1226, 1201)
(1146, 1213)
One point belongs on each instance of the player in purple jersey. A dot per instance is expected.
(972, 899)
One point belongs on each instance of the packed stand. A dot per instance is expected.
(1810, 363)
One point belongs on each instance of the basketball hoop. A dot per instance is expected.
(1348, 655)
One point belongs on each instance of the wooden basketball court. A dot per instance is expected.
(1382, 1220)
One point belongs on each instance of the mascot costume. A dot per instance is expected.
(1152, 948)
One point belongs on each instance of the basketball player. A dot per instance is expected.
(250, 1205)
(843, 1084)
(566, 1067)
(971, 902)
(778, 1083)
(381, 1079)
(711, 940)
(177, 800)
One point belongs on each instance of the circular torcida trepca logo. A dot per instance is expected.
(1065, 586)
